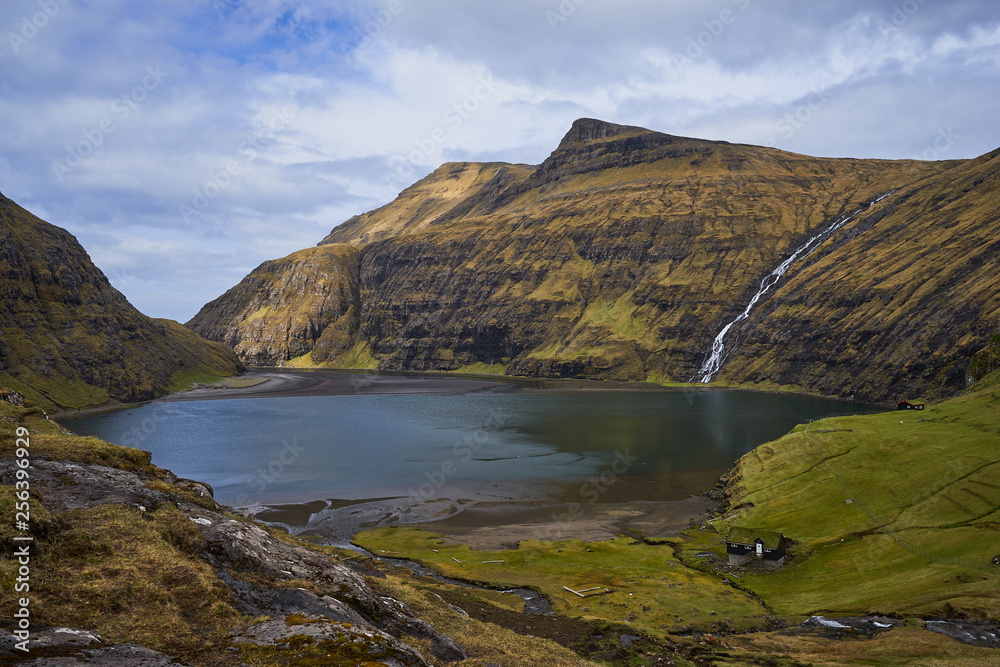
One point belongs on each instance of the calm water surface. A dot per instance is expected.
(286, 450)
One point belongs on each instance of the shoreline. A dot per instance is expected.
(492, 526)
(69, 414)
(281, 382)
(482, 521)
(285, 383)
(501, 517)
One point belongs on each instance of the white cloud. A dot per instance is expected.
(372, 94)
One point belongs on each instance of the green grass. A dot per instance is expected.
(481, 368)
(651, 588)
(186, 380)
(53, 392)
(485, 643)
(894, 513)
(359, 357)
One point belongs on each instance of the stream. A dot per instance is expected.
(534, 602)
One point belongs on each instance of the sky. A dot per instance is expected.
(184, 142)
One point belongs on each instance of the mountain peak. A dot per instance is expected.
(589, 129)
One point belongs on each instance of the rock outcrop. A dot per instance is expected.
(624, 253)
(69, 339)
(305, 304)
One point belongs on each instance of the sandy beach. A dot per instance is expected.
(496, 524)
(495, 528)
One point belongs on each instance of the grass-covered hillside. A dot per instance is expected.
(68, 339)
(897, 513)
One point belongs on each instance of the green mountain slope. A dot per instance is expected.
(68, 339)
(903, 298)
(894, 513)
(426, 201)
(304, 304)
(625, 253)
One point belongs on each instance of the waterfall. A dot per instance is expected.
(713, 362)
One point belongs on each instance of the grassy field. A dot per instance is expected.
(649, 587)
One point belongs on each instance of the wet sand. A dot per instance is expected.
(280, 383)
(500, 517)
(495, 528)
(284, 382)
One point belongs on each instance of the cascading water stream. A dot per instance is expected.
(716, 356)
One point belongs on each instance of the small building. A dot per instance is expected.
(906, 405)
(766, 546)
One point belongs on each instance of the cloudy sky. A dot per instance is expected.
(186, 141)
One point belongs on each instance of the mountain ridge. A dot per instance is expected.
(68, 339)
(624, 253)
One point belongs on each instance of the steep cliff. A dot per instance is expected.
(69, 339)
(625, 252)
(897, 304)
(304, 304)
(426, 201)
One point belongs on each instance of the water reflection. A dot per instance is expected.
(270, 450)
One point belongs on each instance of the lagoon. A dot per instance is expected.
(500, 441)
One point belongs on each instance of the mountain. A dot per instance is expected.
(426, 201)
(626, 252)
(68, 339)
(306, 303)
(903, 300)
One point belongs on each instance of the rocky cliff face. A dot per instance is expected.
(896, 305)
(304, 304)
(625, 252)
(69, 339)
(426, 202)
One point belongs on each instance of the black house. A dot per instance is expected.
(906, 405)
(744, 544)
